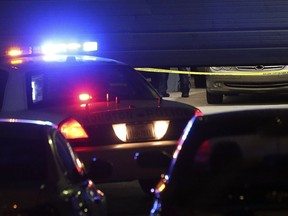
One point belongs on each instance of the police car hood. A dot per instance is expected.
(107, 112)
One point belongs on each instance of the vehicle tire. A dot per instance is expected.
(147, 184)
(214, 98)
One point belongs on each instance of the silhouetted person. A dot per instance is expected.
(163, 84)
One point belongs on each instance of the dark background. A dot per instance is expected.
(157, 33)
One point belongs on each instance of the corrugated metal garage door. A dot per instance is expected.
(158, 32)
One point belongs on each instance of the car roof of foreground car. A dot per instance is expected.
(223, 152)
(236, 122)
(4, 118)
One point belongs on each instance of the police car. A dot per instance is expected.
(105, 108)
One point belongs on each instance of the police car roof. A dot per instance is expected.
(59, 59)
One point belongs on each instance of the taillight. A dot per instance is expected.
(198, 113)
(72, 129)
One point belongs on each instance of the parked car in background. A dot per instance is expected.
(105, 108)
(266, 79)
(232, 163)
(41, 175)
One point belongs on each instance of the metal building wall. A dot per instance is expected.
(160, 33)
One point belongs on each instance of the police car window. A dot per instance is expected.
(22, 157)
(64, 84)
(37, 88)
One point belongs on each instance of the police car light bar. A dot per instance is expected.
(51, 48)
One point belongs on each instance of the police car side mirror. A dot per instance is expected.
(99, 170)
(153, 159)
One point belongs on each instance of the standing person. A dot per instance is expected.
(184, 83)
(163, 84)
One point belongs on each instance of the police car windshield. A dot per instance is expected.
(63, 84)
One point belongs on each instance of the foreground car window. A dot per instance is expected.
(64, 84)
(22, 157)
(67, 158)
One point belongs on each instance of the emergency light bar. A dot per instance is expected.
(53, 48)
(68, 47)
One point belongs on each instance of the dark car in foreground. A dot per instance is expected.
(40, 174)
(233, 163)
(105, 108)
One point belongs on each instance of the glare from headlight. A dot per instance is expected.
(160, 128)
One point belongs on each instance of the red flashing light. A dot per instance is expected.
(15, 51)
(85, 97)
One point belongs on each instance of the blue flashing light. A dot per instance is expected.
(90, 46)
(54, 48)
